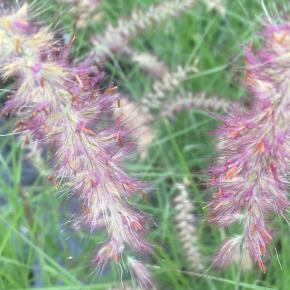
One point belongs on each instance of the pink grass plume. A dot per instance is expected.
(249, 178)
(60, 103)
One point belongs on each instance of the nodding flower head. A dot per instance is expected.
(249, 179)
(61, 105)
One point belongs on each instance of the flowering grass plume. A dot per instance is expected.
(84, 11)
(137, 122)
(61, 104)
(116, 38)
(184, 222)
(198, 101)
(148, 62)
(249, 178)
(170, 81)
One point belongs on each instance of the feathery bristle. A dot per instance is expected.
(61, 104)
(168, 83)
(184, 223)
(198, 101)
(115, 39)
(149, 63)
(249, 179)
(137, 122)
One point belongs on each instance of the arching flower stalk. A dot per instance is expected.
(186, 230)
(148, 62)
(116, 38)
(61, 105)
(170, 81)
(199, 101)
(250, 175)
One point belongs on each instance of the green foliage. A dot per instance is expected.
(37, 247)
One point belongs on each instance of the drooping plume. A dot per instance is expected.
(116, 38)
(249, 179)
(198, 101)
(170, 81)
(148, 62)
(186, 230)
(61, 105)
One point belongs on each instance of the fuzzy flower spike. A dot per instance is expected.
(250, 175)
(59, 104)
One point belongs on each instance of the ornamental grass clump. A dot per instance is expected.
(61, 104)
(250, 176)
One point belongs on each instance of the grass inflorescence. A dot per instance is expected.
(40, 250)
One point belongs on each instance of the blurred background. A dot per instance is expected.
(176, 64)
